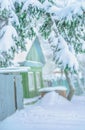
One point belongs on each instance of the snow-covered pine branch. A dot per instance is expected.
(69, 19)
(7, 32)
(63, 56)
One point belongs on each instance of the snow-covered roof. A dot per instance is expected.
(31, 63)
(14, 70)
(49, 89)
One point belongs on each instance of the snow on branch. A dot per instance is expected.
(7, 41)
(62, 56)
(6, 4)
(31, 2)
(58, 9)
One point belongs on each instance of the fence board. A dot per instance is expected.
(19, 92)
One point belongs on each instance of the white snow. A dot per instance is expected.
(53, 99)
(14, 69)
(48, 89)
(31, 2)
(52, 112)
(7, 41)
(6, 4)
(64, 55)
(66, 8)
(31, 100)
(21, 55)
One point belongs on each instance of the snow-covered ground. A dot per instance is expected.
(52, 112)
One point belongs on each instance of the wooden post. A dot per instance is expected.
(15, 93)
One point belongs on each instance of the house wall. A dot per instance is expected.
(36, 53)
(32, 81)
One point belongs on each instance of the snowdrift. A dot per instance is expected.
(53, 99)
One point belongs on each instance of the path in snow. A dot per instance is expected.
(52, 112)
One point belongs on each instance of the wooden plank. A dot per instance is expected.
(10, 100)
(2, 97)
(7, 105)
(19, 92)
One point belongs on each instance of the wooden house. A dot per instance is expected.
(33, 58)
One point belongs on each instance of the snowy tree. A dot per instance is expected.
(7, 32)
(14, 28)
(63, 27)
(61, 23)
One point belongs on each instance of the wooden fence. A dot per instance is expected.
(11, 94)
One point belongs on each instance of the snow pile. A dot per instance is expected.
(53, 99)
(31, 100)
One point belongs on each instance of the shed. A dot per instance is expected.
(32, 80)
(11, 92)
(35, 59)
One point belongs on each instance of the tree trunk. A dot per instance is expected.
(71, 87)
